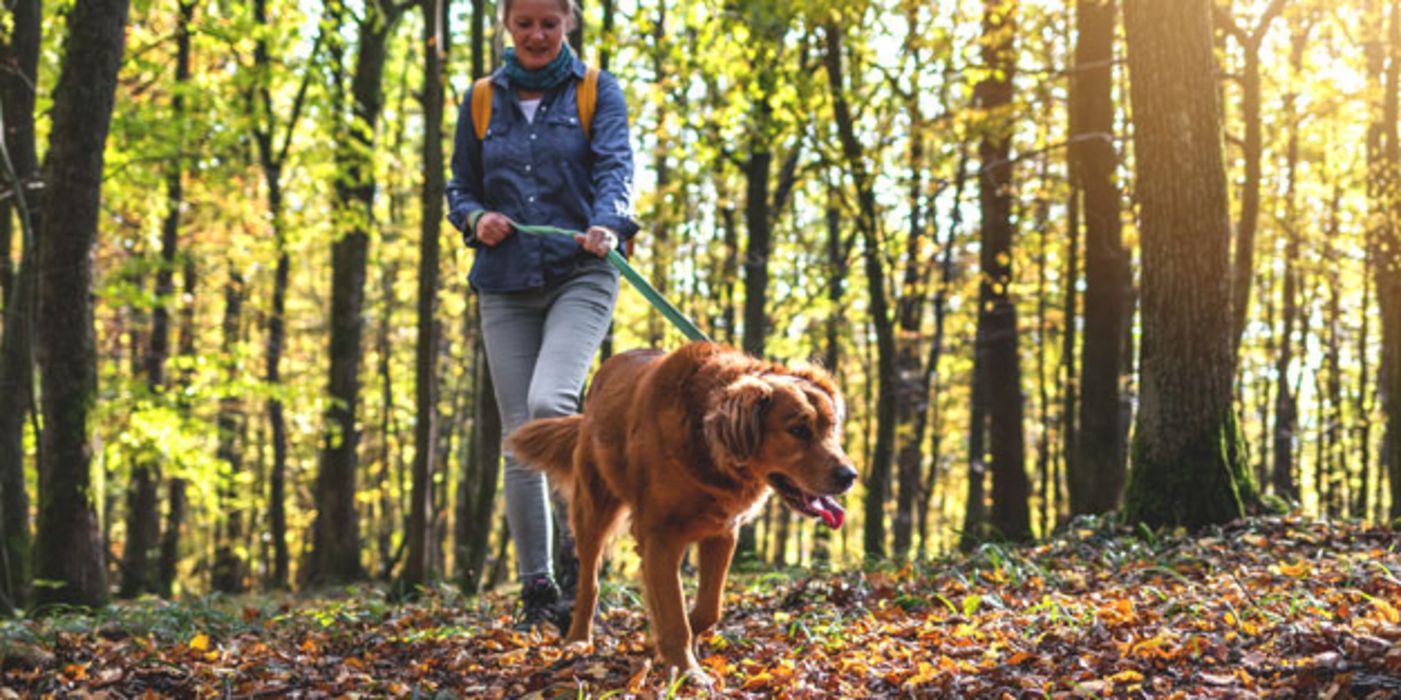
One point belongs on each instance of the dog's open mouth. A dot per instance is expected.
(824, 507)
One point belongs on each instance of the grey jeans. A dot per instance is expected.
(539, 346)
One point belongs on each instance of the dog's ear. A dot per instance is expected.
(734, 424)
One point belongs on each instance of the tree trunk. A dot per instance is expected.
(271, 158)
(1286, 403)
(141, 568)
(1388, 263)
(335, 553)
(1010, 517)
(933, 380)
(478, 493)
(837, 259)
(756, 255)
(19, 52)
(68, 546)
(436, 32)
(868, 225)
(1189, 466)
(1244, 258)
(912, 393)
(229, 566)
(1374, 49)
(1097, 470)
(170, 538)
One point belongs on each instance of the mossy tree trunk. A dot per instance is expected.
(1189, 465)
(68, 548)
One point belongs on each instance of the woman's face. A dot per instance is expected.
(537, 30)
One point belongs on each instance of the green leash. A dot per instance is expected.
(648, 292)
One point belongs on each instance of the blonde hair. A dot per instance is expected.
(570, 7)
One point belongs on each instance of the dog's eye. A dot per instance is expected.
(802, 432)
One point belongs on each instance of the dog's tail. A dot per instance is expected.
(548, 444)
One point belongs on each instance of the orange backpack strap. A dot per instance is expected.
(588, 99)
(481, 103)
(481, 106)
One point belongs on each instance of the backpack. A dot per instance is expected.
(587, 98)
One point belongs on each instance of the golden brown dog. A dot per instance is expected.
(690, 442)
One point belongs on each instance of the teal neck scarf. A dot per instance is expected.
(544, 78)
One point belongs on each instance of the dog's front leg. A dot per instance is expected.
(715, 554)
(671, 631)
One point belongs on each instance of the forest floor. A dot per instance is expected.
(1279, 607)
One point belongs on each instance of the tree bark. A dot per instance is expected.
(271, 158)
(1010, 517)
(19, 52)
(141, 566)
(436, 31)
(229, 567)
(1243, 261)
(1097, 470)
(478, 494)
(1388, 262)
(912, 393)
(1189, 466)
(1286, 403)
(335, 553)
(170, 538)
(68, 548)
(868, 226)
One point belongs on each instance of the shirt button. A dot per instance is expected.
(527, 167)
(532, 199)
(532, 137)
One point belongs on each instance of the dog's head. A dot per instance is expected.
(786, 427)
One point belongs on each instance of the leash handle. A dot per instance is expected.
(640, 283)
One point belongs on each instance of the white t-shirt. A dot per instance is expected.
(529, 107)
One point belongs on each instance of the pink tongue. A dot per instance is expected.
(832, 512)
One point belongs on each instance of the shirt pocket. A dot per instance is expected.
(563, 136)
(501, 162)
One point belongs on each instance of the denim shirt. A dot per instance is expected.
(544, 172)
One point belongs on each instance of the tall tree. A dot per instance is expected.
(69, 552)
(764, 198)
(477, 493)
(335, 552)
(1286, 403)
(869, 228)
(139, 566)
(19, 53)
(272, 158)
(229, 567)
(912, 393)
(436, 32)
(1097, 470)
(1387, 262)
(1243, 262)
(997, 354)
(1189, 466)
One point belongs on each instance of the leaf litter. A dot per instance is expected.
(1271, 607)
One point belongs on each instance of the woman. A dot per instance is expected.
(545, 301)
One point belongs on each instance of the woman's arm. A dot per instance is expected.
(464, 190)
(612, 160)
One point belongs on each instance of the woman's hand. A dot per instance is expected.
(598, 240)
(492, 228)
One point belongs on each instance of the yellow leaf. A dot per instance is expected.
(200, 642)
(1127, 676)
(1298, 570)
(1387, 611)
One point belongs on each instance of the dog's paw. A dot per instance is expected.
(695, 676)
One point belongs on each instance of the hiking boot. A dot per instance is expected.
(539, 602)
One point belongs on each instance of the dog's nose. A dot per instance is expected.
(843, 477)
